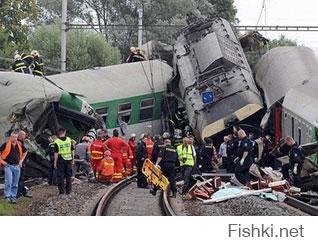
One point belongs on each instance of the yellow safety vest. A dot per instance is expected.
(185, 153)
(65, 148)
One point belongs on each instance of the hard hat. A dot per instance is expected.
(133, 49)
(100, 132)
(133, 135)
(17, 57)
(34, 53)
(107, 153)
(166, 135)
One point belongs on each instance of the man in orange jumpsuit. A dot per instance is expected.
(127, 156)
(133, 146)
(97, 150)
(149, 146)
(115, 145)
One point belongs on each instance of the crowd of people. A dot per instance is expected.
(111, 159)
(28, 63)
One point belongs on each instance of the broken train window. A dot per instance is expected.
(146, 109)
(124, 112)
(103, 112)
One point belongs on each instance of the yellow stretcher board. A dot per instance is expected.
(154, 174)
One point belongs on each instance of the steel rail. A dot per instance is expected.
(165, 204)
(305, 207)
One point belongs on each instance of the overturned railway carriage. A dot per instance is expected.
(288, 77)
(127, 96)
(39, 107)
(216, 82)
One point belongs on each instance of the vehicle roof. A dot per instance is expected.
(303, 101)
(116, 81)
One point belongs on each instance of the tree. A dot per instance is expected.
(16, 17)
(282, 41)
(85, 49)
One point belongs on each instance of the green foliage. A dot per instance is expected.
(85, 49)
(6, 209)
(16, 15)
(282, 41)
(7, 49)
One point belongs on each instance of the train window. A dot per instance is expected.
(146, 109)
(299, 135)
(285, 115)
(124, 112)
(293, 126)
(103, 112)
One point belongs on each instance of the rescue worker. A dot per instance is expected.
(19, 65)
(141, 156)
(136, 55)
(115, 145)
(52, 179)
(22, 189)
(244, 159)
(28, 59)
(106, 170)
(187, 161)
(231, 151)
(12, 157)
(158, 145)
(97, 150)
(296, 160)
(149, 146)
(127, 157)
(82, 157)
(38, 63)
(63, 161)
(254, 147)
(223, 152)
(133, 146)
(166, 161)
(208, 155)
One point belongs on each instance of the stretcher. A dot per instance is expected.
(154, 175)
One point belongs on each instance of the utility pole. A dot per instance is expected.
(140, 16)
(63, 35)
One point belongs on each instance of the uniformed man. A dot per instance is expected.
(52, 179)
(28, 59)
(19, 65)
(296, 160)
(187, 161)
(63, 161)
(141, 156)
(244, 159)
(208, 155)
(38, 63)
(254, 147)
(166, 161)
(231, 150)
(158, 145)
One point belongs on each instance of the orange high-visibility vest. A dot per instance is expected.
(97, 150)
(7, 151)
(107, 167)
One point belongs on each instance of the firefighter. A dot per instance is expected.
(97, 150)
(166, 161)
(187, 161)
(133, 146)
(296, 160)
(115, 145)
(63, 161)
(28, 59)
(141, 156)
(38, 63)
(244, 159)
(19, 65)
(158, 145)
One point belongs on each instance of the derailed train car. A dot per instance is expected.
(288, 78)
(39, 107)
(216, 82)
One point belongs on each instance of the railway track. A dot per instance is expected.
(125, 198)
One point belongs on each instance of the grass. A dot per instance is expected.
(6, 209)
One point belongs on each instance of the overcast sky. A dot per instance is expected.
(282, 12)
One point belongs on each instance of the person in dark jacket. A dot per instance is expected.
(141, 156)
(296, 160)
(38, 63)
(19, 65)
(158, 145)
(28, 59)
(167, 159)
(52, 179)
(255, 151)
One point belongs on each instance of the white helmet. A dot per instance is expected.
(34, 53)
(133, 135)
(17, 57)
